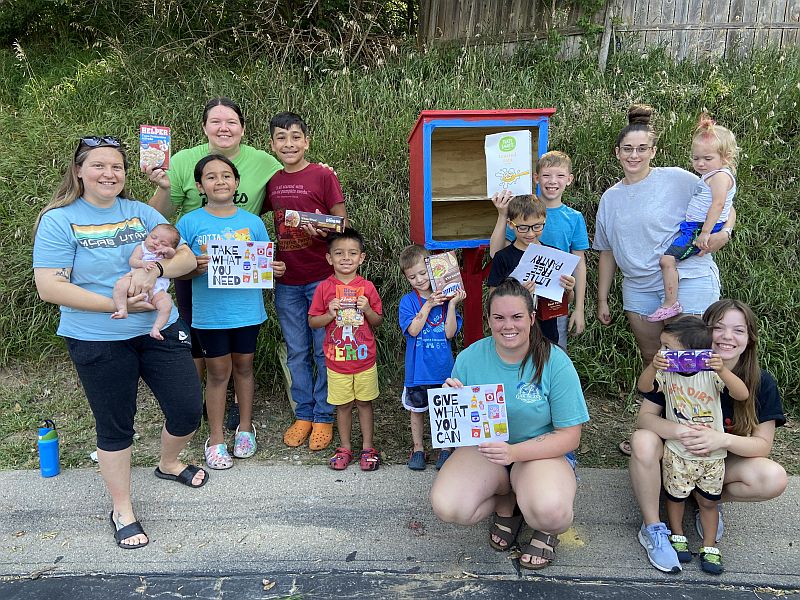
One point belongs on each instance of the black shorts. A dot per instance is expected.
(221, 342)
(415, 398)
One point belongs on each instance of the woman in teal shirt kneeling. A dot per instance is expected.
(531, 478)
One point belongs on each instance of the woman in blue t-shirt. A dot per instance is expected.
(530, 479)
(83, 240)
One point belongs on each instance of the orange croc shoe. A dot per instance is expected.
(321, 436)
(297, 433)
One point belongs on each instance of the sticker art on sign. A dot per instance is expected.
(240, 265)
(467, 416)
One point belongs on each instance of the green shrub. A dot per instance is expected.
(360, 119)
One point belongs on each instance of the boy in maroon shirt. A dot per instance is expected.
(307, 187)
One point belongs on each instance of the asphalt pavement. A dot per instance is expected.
(306, 528)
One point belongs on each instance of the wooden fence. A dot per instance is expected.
(687, 28)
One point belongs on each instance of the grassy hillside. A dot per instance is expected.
(360, 119)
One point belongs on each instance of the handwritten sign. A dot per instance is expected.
(467, 416)
(544, 266)
(240, 265)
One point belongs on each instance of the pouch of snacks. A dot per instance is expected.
(687, 361)
(154, 146)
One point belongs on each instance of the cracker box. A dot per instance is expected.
(444, 273)
(509, 162)
(154, 142)
(298, 218)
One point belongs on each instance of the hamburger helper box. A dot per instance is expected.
(154, 146)
(298, 218)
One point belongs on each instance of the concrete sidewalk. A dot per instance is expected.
(258, 519)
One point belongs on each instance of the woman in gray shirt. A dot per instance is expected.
(636, 221)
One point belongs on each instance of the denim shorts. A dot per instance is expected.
(415, 398)
(569, 456)
(695, 295)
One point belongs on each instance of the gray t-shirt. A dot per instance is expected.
(637, 223)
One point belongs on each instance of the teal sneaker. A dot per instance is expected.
(655, 539)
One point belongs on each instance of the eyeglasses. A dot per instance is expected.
(526, 228)
(628, 150)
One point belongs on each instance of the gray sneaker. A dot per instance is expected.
(655, 539)
(698, 526)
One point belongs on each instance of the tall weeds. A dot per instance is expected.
(360, 117)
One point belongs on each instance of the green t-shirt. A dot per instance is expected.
(255, 168)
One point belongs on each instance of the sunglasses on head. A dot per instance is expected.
(94, 141)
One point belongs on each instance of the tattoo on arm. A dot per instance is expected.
(63, 273)
(541, 438)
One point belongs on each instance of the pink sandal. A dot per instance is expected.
(662, 314)
(341, 459)
(369, 459)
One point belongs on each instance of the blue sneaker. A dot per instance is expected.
(655, 539)
(443, 456)
(416, 462)
(720, 524)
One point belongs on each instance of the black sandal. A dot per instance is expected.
(123, 533)
(548, 554)
(509, 535)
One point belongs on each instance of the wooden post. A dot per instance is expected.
(472, 275)
(605, 41)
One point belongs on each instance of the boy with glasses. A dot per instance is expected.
(566, 231)
(526, 215)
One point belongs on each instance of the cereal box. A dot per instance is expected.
(509, 162)
(154, 146)
(298, 218)
(444, 273)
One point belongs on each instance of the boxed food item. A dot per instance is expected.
(154, 143)
(444, 273)
(509, 162)
(550, 309)
(298, 218)
(348, 313)
(687, 361)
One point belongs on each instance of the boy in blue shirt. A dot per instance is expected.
(565, 230)
(428, 321)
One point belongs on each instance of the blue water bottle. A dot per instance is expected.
(48, 449)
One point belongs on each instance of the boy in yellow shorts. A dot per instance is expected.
(348, 307)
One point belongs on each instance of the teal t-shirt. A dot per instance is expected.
(256, 167)
(533, 409)
(223, 308)
(96, 243)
